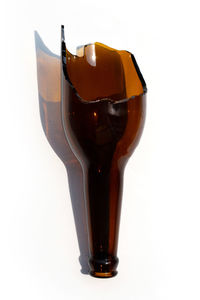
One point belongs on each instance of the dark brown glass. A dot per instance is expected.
(103, 113)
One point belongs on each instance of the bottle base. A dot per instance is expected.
(103, 267)
(103, 274)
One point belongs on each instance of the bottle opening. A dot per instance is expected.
(98, 72)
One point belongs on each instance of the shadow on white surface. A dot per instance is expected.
(48, 74)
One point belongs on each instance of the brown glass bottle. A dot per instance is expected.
(103, 113)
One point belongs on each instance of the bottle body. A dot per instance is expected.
(102, 135)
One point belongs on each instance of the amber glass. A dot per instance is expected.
(103, 113)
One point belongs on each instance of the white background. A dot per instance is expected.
(159, 247)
